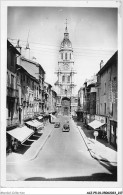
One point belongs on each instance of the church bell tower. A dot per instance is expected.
(65, 73)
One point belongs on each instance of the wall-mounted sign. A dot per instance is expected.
(95, 134)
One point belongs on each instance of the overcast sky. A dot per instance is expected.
(92, 31)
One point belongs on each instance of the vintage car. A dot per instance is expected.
(66, 127)
(57, 124)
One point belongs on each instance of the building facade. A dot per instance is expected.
(106, 101)
(33, 68)
(65, 85)
(87, 100)
(29, 96)
(80, 105)
(50, 97)
(12, 91)
(53, 100)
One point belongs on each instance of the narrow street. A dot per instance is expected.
(64, 157)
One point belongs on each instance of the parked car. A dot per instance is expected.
(57, 124)
(66, 127)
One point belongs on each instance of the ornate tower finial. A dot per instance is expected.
(27, 44)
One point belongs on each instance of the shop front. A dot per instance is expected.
(85, 118)
(100, 125)
(79, 115)
(18, 136)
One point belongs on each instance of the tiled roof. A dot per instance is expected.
(110, 62)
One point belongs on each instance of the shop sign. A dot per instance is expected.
(95, 133)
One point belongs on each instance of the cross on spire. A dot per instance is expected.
(66, 26)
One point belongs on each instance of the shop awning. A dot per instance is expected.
(34, 123)
(37, 123)
(95, 124)
(40, 117)
(21, 133)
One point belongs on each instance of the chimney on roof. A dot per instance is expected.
(19, 48)
(18, 43)
(27, 51)
(101, 64)
(34, 58)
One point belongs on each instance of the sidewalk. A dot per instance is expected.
(33, 150)
(99, 149)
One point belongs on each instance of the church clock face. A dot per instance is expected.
(66, 66)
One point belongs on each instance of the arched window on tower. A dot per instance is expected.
(63, 78)
(68, 79)
(62, 56)
(65, 56)
(70, 56)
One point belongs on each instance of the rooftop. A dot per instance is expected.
(33, 62)
(22, 69)
(111, 61)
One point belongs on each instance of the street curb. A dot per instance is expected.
(84, 140)
(38, 150)
(41, 147)
(89, 149)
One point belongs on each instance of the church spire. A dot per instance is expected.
(66, 27)
(66, 34)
